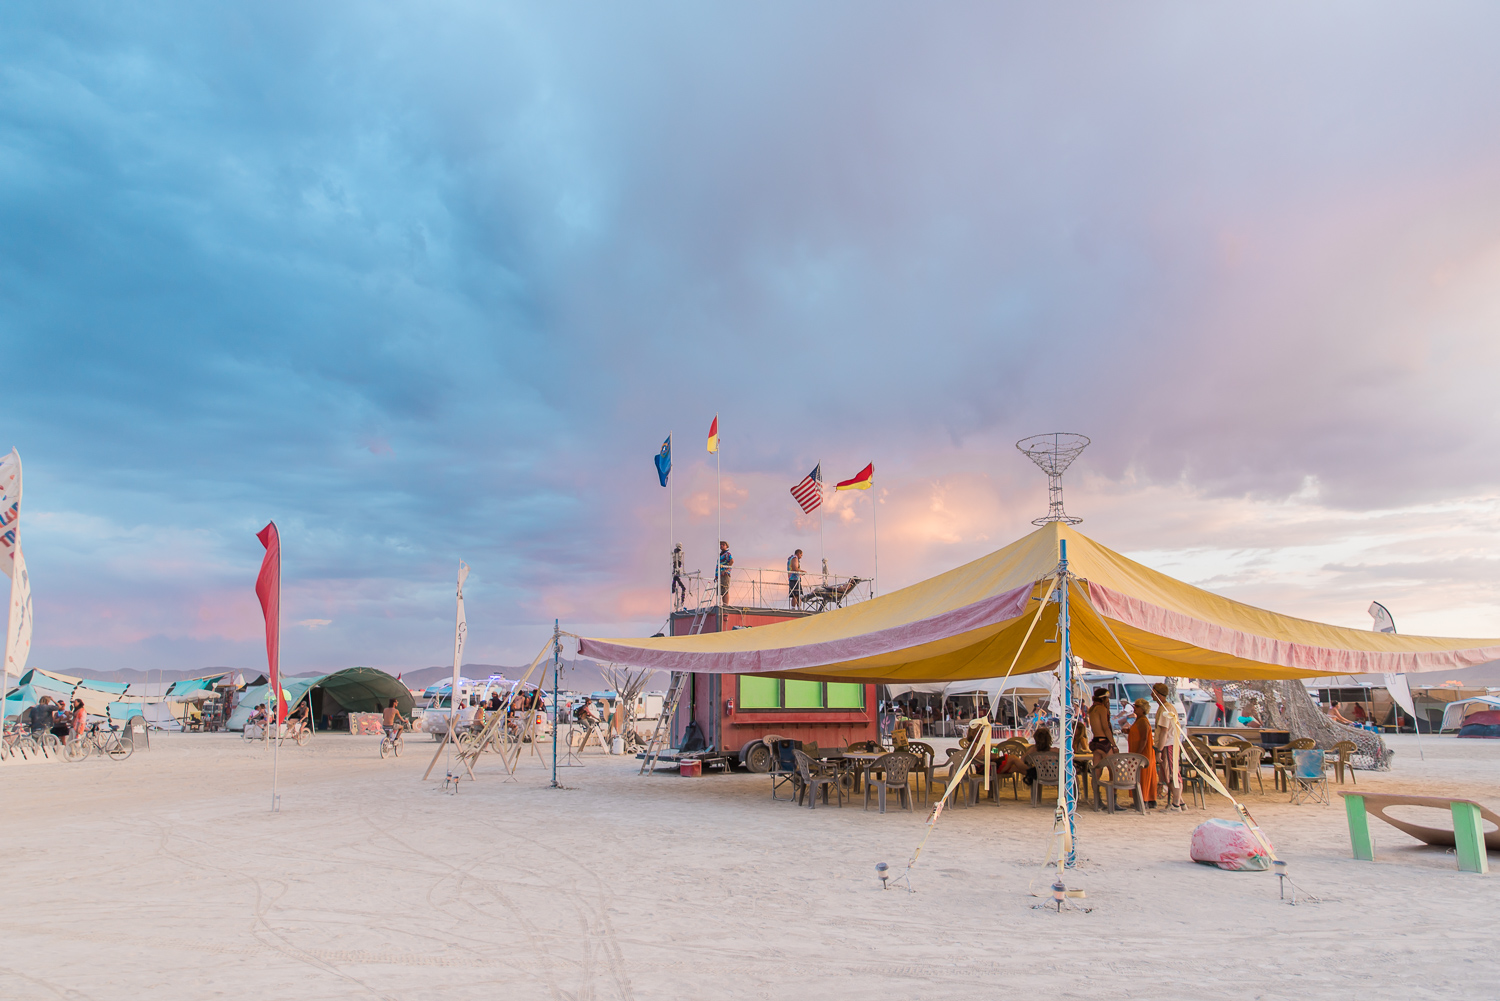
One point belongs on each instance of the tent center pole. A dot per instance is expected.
(1067, 779)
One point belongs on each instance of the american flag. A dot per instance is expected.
(809, 493)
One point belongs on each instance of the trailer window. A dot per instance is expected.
(843, 695)
(759, 693)
(804, 695)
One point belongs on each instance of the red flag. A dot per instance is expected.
(268, 590)
(861, 480)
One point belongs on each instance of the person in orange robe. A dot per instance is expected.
(1139, 737)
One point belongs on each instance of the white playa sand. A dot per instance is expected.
(166, 876)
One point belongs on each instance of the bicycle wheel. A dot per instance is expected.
(385, 746)
(76, 750)
(50, 744)
(303, 735)
(121, 749)
(396, 745)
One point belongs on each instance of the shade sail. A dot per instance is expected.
(971, 621)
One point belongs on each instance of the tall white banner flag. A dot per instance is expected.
(1394, 683)
(460, 633)
(13, 563)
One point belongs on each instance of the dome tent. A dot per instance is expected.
(356, 689)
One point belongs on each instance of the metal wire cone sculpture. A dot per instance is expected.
(1054, 453)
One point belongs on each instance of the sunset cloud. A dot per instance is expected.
(422, 289)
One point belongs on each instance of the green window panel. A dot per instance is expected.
(759, 693)
(842, 695)
(804, 695)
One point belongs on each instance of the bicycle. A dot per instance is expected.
(100, 740)
(392, 743)
(299, 729)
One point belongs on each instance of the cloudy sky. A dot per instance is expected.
(423, 283)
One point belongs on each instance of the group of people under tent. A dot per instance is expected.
(1158, 740)
(53, 716)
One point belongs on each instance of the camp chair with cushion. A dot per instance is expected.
(961, 796)
(1246, 763)
(1048, 766)
(1282, 761)
(814, 776)
(895, 768)
(1308, 776)
(784, 767)
(1343, 758)
(1125, 772)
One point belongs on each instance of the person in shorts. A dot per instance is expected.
(1103, 741)
(794, 578)
(1168, 743)
(392, 721)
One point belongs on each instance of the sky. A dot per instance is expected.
(427, 283)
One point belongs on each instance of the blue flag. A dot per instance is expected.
(664, 461)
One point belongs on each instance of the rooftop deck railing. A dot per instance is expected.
(758, 587)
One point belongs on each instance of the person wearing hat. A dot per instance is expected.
(1168, 740)
(1103, 742)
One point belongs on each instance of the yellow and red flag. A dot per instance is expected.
(713, 435)
(861, 480)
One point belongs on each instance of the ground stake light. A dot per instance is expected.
(883, 871)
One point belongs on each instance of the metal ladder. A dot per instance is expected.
(699, 618)
(662, 735)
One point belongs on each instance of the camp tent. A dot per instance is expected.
(357, 689)
(1455, 713)
(973, 622)
(20, 700)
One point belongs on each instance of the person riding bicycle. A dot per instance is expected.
(392, 721)
(301, 718)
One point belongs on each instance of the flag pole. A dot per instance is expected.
(822, 554)
(875, 526)
(10, 618)
(671, 507)
(276, 684)
(556, 656)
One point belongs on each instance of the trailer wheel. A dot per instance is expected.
(758, 757)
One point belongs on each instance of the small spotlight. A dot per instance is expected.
(883, 871)
(1280, 868)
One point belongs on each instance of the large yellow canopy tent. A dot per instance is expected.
(969, 623)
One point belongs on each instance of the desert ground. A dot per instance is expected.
(167, 876)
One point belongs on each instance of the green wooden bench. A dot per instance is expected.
(1468, 834)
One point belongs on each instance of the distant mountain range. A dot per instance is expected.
(576, 675)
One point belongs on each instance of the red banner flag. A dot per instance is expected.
(268, 590)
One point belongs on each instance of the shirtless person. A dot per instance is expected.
(392, 720)
(794, 578)
(1102, 726)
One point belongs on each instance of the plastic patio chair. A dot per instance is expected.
(961, 796)
(1344, 752)
(815, 776)
(926, 754)
(1012, 747)
(1048, 766)
(896, 767)
(1247, 763)
(1125, 771)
